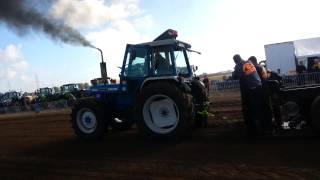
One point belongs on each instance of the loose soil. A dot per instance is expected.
(43, 146)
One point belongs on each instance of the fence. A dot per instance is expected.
(222, 85)
(307, 79)
(35, 107)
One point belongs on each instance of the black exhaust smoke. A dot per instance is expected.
(17, 14)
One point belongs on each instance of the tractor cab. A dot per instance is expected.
(67, 88)
(163, 58)
(45, 91)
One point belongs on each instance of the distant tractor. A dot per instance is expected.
(46, 94)
(11, 98)
(157, 91)
(45, 91)
(71, 89)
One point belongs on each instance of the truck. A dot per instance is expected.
(295, 107)
(295, 98)
(284, 57)
(157, 91)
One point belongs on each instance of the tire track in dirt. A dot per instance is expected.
(169, 169)
(45, 147)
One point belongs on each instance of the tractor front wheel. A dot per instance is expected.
(88, 121)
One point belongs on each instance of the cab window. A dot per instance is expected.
(162, 61)
(137, 63)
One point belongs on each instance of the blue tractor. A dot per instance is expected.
(157, 91)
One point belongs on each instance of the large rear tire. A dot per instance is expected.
(165, 111)
(200, 99)
(314, 114)
(88, 120)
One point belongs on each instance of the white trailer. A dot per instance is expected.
(281, 57)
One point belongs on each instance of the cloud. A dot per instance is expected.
(126, 23)
(13, 65)
(93, 13)
(113, 39)
(11, 61)
(11, 74)
(245, 26)
(25, 78)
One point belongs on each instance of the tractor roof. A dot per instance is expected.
(167, 38)
(167, 42)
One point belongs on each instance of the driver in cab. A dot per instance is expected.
(162, 65)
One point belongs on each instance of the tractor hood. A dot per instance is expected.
(105, 88)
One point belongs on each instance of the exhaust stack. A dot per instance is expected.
(103, 67)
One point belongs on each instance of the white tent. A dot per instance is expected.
(307, 47)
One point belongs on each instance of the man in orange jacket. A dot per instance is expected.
(251, 94)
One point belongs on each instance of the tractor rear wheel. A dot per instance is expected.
(88, 120)
(314, 114)
(200, 96)
(165, 111)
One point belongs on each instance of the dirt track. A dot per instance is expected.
(43, 146)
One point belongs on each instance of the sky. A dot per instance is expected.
(217, 28)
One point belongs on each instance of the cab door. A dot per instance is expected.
(136, 67)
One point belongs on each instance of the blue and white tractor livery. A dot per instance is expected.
(157, 90)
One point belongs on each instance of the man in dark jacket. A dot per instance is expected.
(260, 69)
(251, 94)
(301, 70)
(267, 117)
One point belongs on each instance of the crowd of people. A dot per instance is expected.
(314, 66)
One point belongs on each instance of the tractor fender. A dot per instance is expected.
(92, 99)
(182, 85)
(85, 100)
(107, 108)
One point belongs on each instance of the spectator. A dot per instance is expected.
(316, 70)
(260, 69)
(301, 68)
(206, 83)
